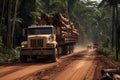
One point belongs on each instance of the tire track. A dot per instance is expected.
(2, 74)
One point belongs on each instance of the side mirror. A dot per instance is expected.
(54, 31)
(24, 32)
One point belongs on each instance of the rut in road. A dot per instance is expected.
(74, 67)
(19, 71)
(78, 69)
(80, 66)
(83, 65)
(14, 71)
(60, 65)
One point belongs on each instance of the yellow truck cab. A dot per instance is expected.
(41, 41)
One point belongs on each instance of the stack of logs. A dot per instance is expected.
(64, 27)
(110, 74)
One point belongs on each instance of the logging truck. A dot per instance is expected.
(53, 35)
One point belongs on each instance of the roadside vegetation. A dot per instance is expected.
(9, 55)
(6, 54)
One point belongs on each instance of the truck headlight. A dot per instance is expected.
(22, 46)
(50, 45)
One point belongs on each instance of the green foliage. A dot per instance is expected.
(9, 54)
(113, 5)
(1, 44)
(109, 52)
(0, 40)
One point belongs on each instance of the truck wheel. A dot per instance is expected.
(55, 55)
(69, 49)
(72, 48)
(65, 49)
(23, 58)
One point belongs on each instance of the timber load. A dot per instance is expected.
(110, 74)
(65, 29)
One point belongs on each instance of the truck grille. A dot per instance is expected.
(36, 42)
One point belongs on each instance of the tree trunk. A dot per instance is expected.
(9, 25)
(113, 26)
(117, 32)
(3, 7)
(14, 19)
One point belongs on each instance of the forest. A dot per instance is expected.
(96, 22)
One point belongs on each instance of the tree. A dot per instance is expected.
(2, 10)
(115, 28)
(9, 29)
(13, 24)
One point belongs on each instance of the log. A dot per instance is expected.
(62, 24)
(106, 77)
(65, 20)
(44, 16)
(42, 22)
(75, 32)
(63, 28)
(63, 32)
(110, 74)
(47, 18)
(110, 71)
(58, 16)
(38, 19)
(116, 76)
(65, 25)
(63, 35)
(50, 20)
(73, 27)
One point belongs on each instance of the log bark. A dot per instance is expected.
(64, 27)
(110, 71)
(110, 74)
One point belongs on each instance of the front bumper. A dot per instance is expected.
(37, 51)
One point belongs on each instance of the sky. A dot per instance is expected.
(97, 0)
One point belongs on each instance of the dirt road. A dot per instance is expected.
(82, 65)
(20, 70)
(78, 69)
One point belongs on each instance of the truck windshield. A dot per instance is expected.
(43, 30)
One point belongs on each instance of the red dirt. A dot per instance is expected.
(82, 65)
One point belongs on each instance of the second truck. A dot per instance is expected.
(53, 35)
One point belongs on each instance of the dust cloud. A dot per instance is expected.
(78, 48)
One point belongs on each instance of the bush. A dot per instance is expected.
(109, 52)
(9, 54)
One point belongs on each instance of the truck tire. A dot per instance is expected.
(69, 49)
(72, 48)
(23, 58)
(55, 55)
(65, 49)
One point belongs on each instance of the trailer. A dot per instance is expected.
(51, 36)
